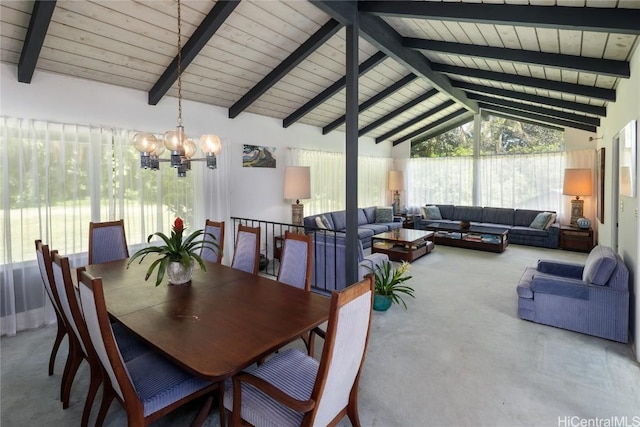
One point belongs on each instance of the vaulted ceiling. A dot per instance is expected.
(425, 66)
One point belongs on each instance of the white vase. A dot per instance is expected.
(178, 273)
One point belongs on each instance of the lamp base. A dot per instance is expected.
(577, 209)
(396, 202)
(297, 214)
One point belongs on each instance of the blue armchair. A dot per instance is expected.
(592, 298)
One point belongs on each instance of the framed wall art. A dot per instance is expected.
(600, 159)
(256, 156)
(627, 160)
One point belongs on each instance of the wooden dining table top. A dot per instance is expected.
(215, 326)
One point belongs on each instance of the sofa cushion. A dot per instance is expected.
(430, 212)
(339, 220)
(524, 217)
(376, 228)
(540, 221)
(599, 265)
(528, 231)
(498, 216)
(362, 218)
(384, 214)
(364, 233)
(467, 213)
(551, 221)
(370, 213)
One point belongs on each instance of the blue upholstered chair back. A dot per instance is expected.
(107, 242)
(211, 253)
(294, 261)
(245, 256)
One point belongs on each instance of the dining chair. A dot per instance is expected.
(295, 261)
(107, 242)
(148, 386)
(212, 253)
(293, 389)
(246, 255)
(44, 264)
(80, 347)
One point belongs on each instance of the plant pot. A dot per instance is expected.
(381, 302)
(179, 274)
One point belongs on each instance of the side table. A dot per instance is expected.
(576, 239)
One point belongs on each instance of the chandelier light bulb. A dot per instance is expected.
(145, 142)
(190, 148)
(210, 144)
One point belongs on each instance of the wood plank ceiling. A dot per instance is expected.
(556, 62)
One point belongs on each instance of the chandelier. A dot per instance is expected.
(182, 149)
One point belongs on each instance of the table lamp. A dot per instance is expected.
(297, 185)
(577, 182)
(396, 184)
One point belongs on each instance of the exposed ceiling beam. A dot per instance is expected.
(38, 26)
(372, 101)
(464, 119)
(522, 120)
(417, 119)
(566, 62)
(538, 117)
(430, 126)
(336, 87)
(199, 39)
(390, 115)
(608, 20)
(574, 89)
(587, 120)
(384, 37)
(543, 100)
(305, 49)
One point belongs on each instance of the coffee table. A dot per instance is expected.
(492, 239)
(403, 244)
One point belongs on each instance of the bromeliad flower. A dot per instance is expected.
(176, 249)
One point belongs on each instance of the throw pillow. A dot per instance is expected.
(552, 220)
(384, 214)
(319, 223)
(326, 222)
(540, 221)
(432, 212)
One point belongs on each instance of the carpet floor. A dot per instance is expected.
(459, 356)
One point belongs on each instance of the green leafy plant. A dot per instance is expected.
(389, 281)
(175, 249)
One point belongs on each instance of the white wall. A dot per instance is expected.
(255, 192)
(625, 109)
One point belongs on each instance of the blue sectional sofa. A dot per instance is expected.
(368, 224)
(518, 221)
(592, 298)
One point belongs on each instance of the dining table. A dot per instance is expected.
(218, 324)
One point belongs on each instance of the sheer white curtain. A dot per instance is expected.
(525, 181)
(328, 178)
(439, 180)
(55, 179)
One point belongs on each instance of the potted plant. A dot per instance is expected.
(177, 254)
(389, 286)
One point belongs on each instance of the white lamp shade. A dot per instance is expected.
(396, 181)
(297, 182)
(577, 182)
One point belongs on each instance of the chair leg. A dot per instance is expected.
(221, 404)
(310, 343)
(73, 363)
(62, 331)
(107, 397)
(94, 384)
(204, 412)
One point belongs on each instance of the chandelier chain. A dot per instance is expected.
(179, 66)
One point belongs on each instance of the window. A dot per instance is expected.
(519, 165)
